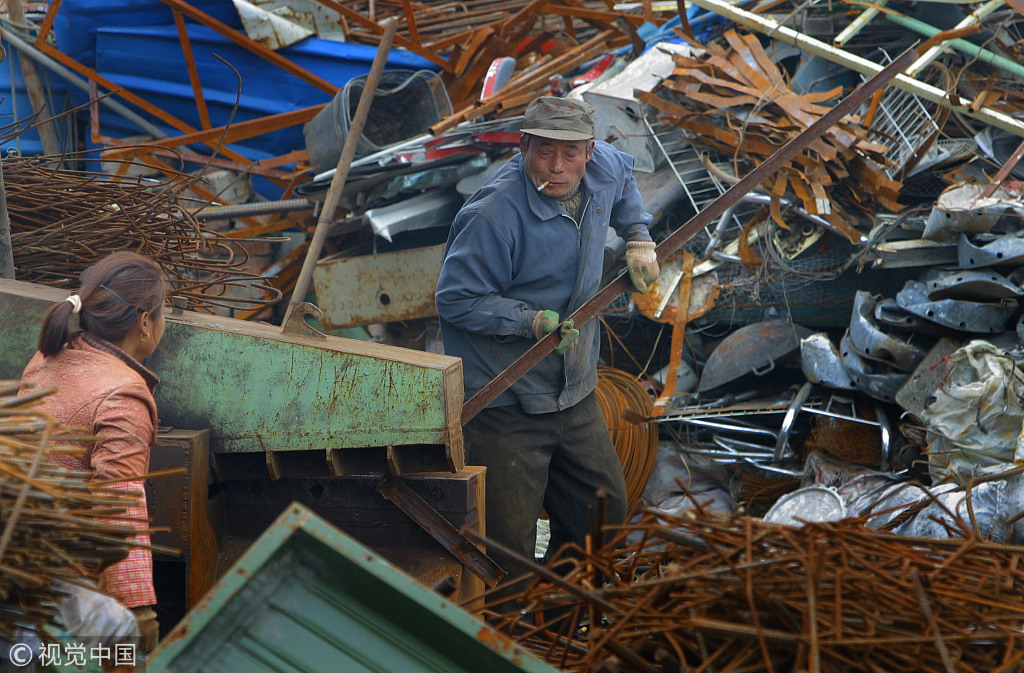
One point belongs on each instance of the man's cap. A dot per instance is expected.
(559, 119)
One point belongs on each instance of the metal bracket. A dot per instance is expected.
(297, 321)
(1007, 250)
(877, 380)
(966, 316)
(874, 344)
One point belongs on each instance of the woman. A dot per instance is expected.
(102, 385)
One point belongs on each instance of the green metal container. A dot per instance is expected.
(307, 598)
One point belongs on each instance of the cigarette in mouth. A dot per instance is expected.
(541, 186)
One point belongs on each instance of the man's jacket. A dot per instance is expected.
(512, 252)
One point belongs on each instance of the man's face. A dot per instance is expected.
(560, 163)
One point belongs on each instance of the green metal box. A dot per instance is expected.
(307, 598)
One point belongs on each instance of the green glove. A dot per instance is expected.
(642, 262)
(545, 322)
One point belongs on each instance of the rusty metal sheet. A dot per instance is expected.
(753, 349)
(378, 288)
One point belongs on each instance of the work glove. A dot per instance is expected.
(642, 262)
(545, 322)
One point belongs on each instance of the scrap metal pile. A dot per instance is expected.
(707, 592)
(57, 525)
(64, 221)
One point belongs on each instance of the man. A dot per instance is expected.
(525, 250)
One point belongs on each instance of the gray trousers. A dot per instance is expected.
(557, 461)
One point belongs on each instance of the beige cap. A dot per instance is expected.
(559, 119)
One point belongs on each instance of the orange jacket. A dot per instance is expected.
(105, 391)
(102, 389)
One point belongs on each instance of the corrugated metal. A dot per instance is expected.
(306, 597)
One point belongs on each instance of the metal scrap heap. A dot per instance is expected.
(57, 524)
(733, 593)
(735, 100)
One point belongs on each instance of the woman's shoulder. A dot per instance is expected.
(91, 371)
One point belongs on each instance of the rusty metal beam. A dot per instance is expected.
(377, 28)
(251, 45)
(234, 133)
(676, 239)
(439, 528)
(193, 72)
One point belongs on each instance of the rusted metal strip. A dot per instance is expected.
(1010, 164)
(442, 530)
(676, 239)
(234, 133)
(251, 45)
(193, 72)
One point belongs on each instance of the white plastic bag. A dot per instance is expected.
(975, 420)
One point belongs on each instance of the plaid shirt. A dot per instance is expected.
(131, 581)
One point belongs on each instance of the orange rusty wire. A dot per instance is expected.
(624, 402)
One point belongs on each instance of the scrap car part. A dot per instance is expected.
(916, 252)
(872, 378)
(874, 344)
(1005, 250)
(888, 312)
(973, 286)
(913, 396)
(752, 349)
(821, 362)
(966, 316)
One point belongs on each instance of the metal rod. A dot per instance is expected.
(6, 247)
(592, 307)
(959, 44)
(439, 528)
(355, 132)
(251, 209)
(857, 24)
(971, 19)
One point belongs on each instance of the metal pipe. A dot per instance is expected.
(344, 164)
(53, 66)
(971, 19)
(853, 62)
(34, 87)
(6, 248)
(857, 24)
(960, 44)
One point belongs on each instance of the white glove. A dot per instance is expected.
(642, 262)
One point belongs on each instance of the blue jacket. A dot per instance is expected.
(512, 252)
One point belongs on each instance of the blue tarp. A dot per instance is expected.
(134, 44)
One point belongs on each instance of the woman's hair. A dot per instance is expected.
(115, 292)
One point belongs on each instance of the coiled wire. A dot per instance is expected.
(623, 402)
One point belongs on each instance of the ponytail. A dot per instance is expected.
(55, 332)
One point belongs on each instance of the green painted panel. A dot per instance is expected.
(305, 597)
(260, 390)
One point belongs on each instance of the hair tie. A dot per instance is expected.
(76, 303)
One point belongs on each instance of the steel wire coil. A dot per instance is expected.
(622, 400)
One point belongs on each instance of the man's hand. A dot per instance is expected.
(642, 262)
(545, 322)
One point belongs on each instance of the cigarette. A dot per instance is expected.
(541, 186)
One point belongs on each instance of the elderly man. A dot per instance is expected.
(524, 251)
